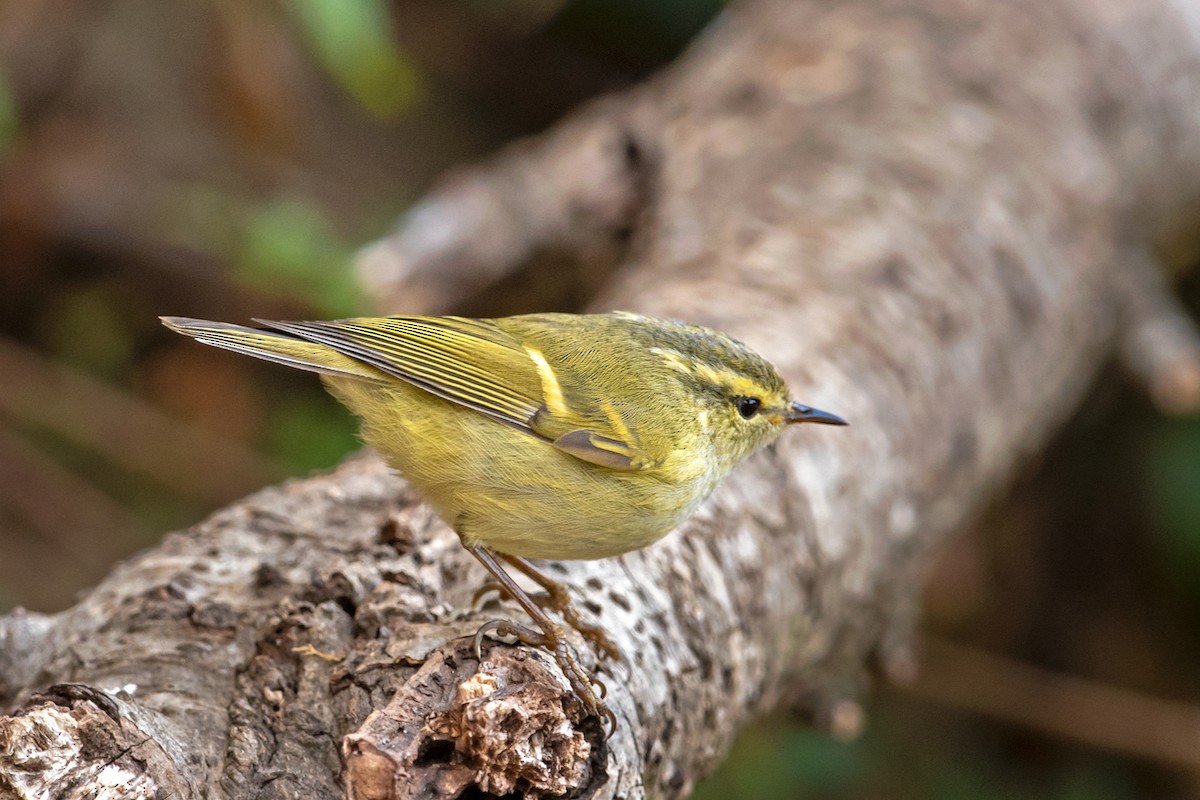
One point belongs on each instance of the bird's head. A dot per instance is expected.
(740, 399)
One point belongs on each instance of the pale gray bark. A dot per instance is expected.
(927, 213)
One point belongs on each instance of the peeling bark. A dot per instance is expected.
(921, 211)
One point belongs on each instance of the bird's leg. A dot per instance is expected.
(551, 637)
(559, 598)
(556, 597)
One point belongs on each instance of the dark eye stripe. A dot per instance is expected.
(748, 406)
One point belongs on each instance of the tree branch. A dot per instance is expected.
(919, 210)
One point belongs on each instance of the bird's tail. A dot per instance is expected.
(273, 346)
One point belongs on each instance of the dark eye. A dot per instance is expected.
(748, 406)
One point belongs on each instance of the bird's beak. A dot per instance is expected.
(799, 413)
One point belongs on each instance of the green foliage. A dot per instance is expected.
(291, 244)
(8, 116)
(1173, 478)
(350, 39)
(85, 329)
(913, 752)
(1093, 778)
(310, 431)
(777, 761)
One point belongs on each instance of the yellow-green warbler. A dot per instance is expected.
(555, 436)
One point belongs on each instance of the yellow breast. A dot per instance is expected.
(515, 493)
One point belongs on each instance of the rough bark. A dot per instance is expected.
(933, 216)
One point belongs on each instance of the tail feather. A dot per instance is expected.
(273, 346)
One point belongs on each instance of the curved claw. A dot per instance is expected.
(504, 627)
(608, 715)
(483, 631)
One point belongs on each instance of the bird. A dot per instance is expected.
(542, 436)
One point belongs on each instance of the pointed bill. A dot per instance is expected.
(801, 413)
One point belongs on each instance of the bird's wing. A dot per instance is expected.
(273, 346)
(588, 445)
(475, 363)
(467, 361)
(578, 412)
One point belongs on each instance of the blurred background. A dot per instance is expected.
(225, 159)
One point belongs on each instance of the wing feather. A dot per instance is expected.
(467, 361)
(475, 363)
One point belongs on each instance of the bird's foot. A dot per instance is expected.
(557, 598)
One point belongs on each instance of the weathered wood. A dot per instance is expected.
(926, 212)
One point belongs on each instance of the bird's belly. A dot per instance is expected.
(561, 508)
(509, 490)
(555, 527)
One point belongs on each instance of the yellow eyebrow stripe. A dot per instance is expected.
(674, 359)
(552, 392)
(731, 381)
(715, 376)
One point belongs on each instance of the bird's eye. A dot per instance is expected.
(748, 406)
